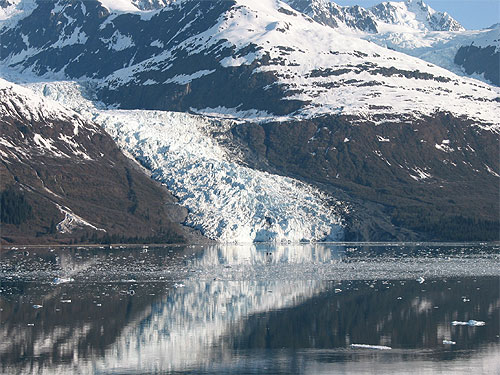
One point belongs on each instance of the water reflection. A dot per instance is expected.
(217, 310)
(270, 254)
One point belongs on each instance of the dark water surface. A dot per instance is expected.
(308, 309)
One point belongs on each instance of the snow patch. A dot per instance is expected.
(444, 146)
(491, 171)
(183, 79)
(119, 5)
(119, 42)
(421, 174)
(72, 222)
(231, 61)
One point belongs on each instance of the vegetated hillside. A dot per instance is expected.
(64, 180)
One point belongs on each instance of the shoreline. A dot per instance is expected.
(191, 245)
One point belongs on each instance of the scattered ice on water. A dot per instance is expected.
(366, 346)
(449, 342)
(62, 280)
(470, 323)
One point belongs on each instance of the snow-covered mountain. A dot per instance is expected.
(234, 57)
(305, 99)
(414, 28)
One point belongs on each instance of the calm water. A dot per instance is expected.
(251, 310)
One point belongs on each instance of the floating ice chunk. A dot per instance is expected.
(62, 280)
(37, 306)
(420, 280)
(449, 342)
(366, 346)
(179, 285)
(65, 301)
(470, 323)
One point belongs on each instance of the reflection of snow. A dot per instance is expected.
(184, 328)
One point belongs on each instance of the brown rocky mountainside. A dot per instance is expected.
(63, 180)
(432, 179)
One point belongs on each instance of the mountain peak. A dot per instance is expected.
(413, 14)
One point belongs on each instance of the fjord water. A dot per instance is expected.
(257, 309)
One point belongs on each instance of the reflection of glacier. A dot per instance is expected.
(265, 254)
(184, 329)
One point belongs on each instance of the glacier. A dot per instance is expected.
(227, 201)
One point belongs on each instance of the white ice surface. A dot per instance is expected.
(227, 201)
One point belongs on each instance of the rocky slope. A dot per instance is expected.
(64, 180)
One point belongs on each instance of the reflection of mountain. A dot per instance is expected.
(199, 324)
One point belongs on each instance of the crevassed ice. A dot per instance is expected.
(227, 201)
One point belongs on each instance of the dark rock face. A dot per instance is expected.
(480, 60)
(230, 87)
(55, 169)
(437, 177)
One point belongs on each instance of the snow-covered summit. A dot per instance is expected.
(415, 14)
(410, 14)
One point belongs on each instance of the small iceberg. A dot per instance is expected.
(37, 306)
(62, 280)
(470, 323)
(366, 346)
(449, 342)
